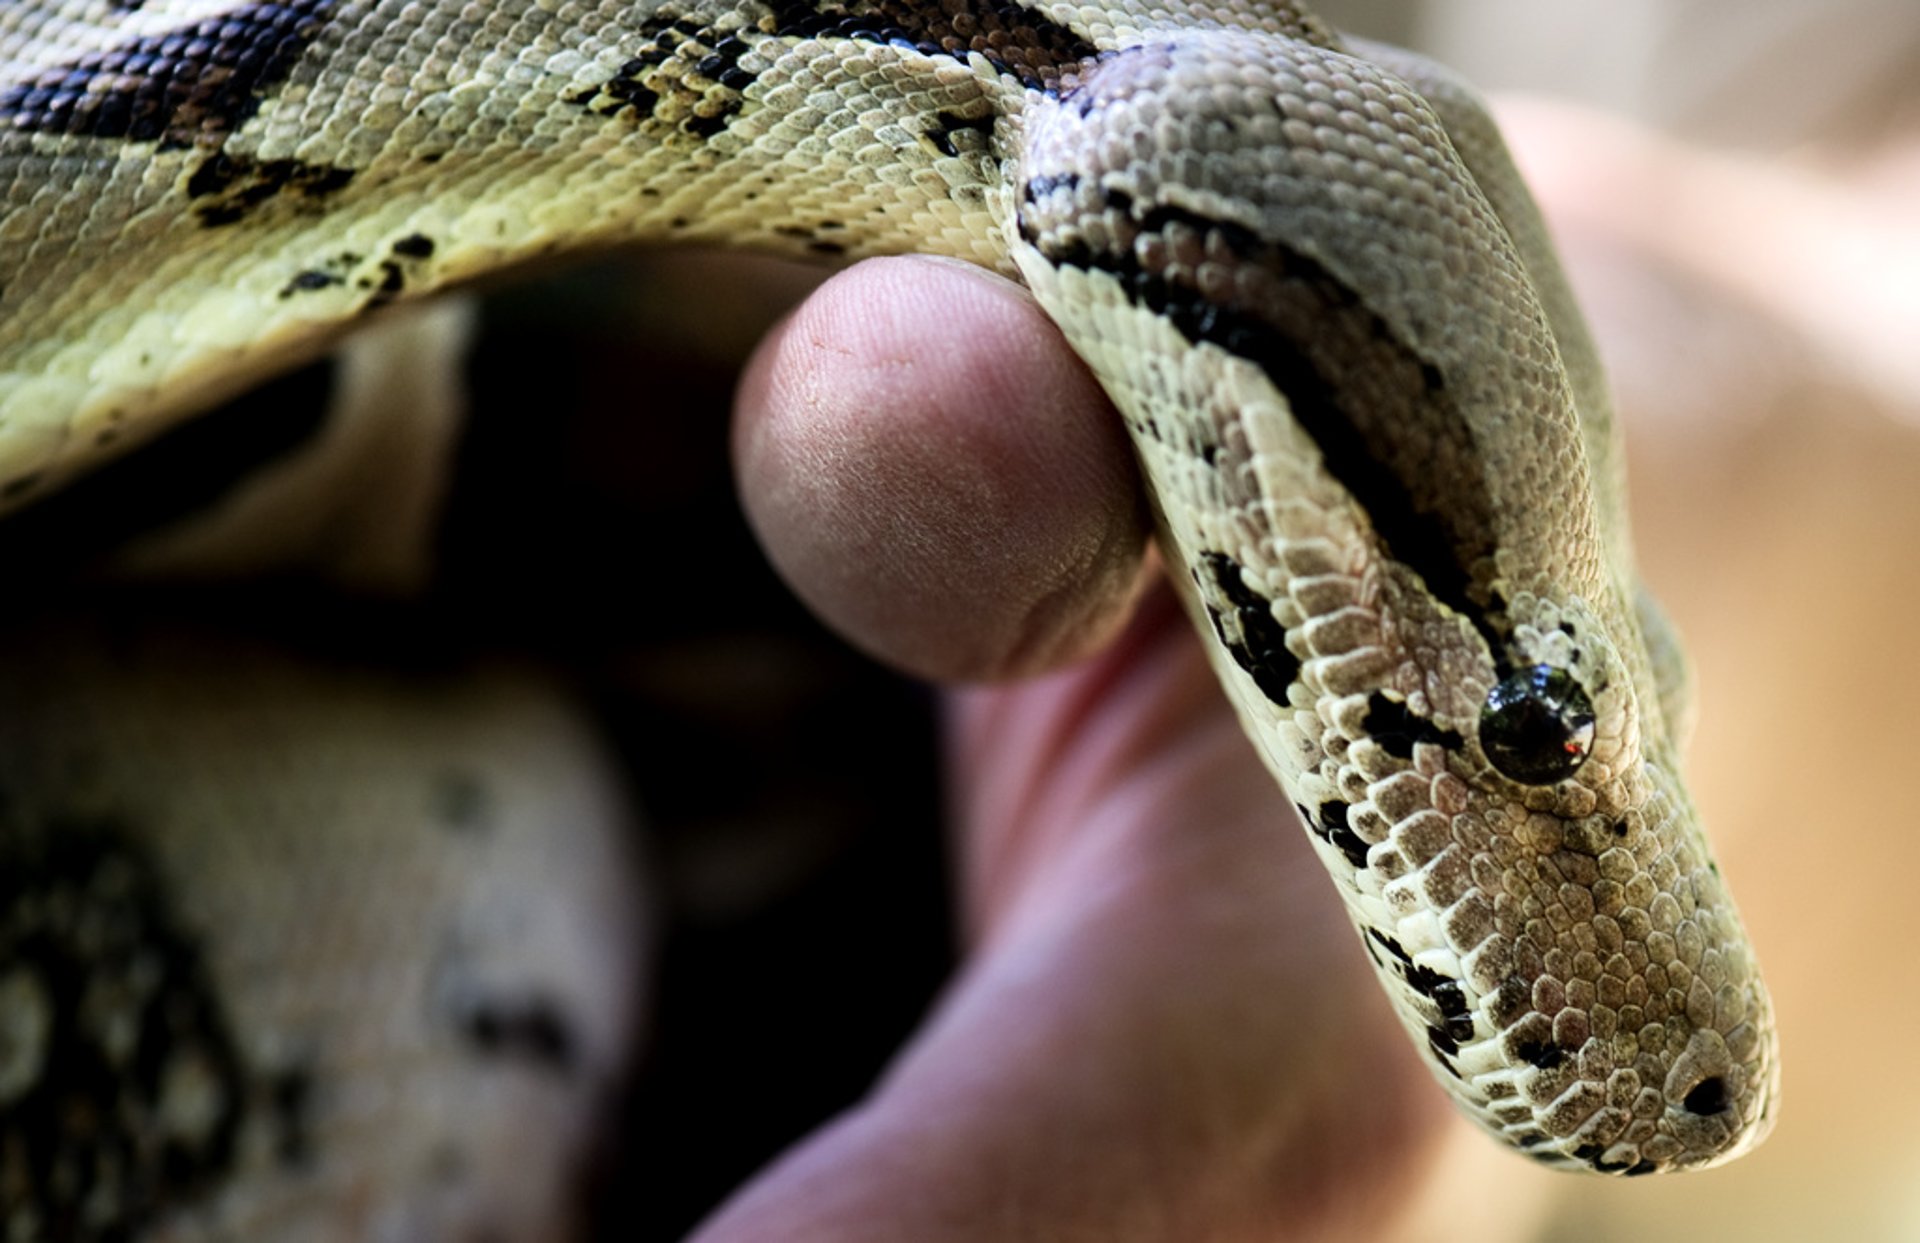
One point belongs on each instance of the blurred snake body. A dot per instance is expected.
(1378, 446)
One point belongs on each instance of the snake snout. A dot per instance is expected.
(1719, 1103)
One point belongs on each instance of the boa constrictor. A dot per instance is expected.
(1378, 445)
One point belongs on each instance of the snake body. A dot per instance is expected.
(1378, 446)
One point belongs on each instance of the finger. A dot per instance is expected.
(937, 476)
(1165, 1033)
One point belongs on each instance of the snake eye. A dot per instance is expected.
(1537, 726)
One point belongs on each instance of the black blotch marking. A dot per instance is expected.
(234, 186)
(1544, 1054)
(1393, 725)
(1424, 980)
(1373, 952)
(193, 85)
(405, 253)
(310, 280)
(1530, 1139)
(1391, 946)
(1441, 989)
(622, 91)
(1444, 1041)
(1047, 184)
(1261, 646)
(1331, 827)
(325, 274)
(638, 86)
(1642, 1168)
(1587, 1152)
(724, 57)
(1452, 1000)
(1231, 582)
(712, 123)
(93, 1143)
(815, 243)
(1335, 828)
(1017, 41)
(185, 470)
(1238, 237)
(1444, 544)
(1446, 994)
(391, 282)
(388, 280)
(1706, 1098)
(1012, 39)
(947, 124)
(532, 1030)
(1619, 828)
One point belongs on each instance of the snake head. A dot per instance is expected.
(1392, 507)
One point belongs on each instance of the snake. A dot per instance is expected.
(1377, 444)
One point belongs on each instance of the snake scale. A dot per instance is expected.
(1378, 446)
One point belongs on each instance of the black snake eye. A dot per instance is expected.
(1537, 726)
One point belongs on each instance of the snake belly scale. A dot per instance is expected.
(1378, 446)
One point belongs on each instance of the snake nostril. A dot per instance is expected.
(1707, 1097)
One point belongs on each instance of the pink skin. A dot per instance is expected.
(1164, 1030)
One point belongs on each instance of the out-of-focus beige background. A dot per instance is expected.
(1741, 213)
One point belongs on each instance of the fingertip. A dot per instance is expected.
(936, 474)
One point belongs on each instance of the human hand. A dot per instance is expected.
(1164, 1029)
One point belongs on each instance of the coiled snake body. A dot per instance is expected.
(1378, 446)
